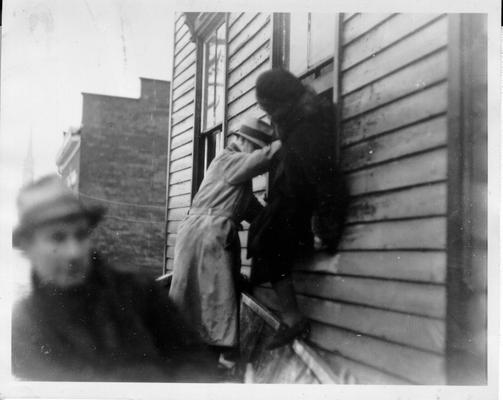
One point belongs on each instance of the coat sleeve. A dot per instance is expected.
(244, 166)
(315, 154)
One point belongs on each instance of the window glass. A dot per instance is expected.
(213, 79)
(321, 37)
(312, 39)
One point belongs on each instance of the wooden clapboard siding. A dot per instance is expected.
(390, 273)
(414, 298)
(421, 333)
(181, 139)
(418, 169)
(427, 233)
(416, 107)
(415, 138)
(384, 35)
(243, 71)
(179, 200)
(358, 24)
(410, 49)
(414, 266)
(401, 361)
(424, 73)
(364, 374)
(182, 133)
(253, 27)
(429, 200)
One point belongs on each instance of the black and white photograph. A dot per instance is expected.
(263, 200)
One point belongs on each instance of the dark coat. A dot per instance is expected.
(115, 327)
(307, 193)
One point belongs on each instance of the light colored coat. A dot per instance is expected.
(207, 250)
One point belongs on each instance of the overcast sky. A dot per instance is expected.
(52, 51)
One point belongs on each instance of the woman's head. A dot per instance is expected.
(277, 90)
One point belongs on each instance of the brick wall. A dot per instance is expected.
(123, 166)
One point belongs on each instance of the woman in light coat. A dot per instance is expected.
(207, 251)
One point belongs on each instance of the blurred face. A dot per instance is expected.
(60, 252)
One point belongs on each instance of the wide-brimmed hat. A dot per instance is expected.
(256, 131)
(278, 86)
(47, 200)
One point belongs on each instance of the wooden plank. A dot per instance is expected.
(415, 202)
(171, 239)
(182, 36)
(415, 298)
(245, 52)
(243, 103)
(184, 87)
(248, 83)
(363, 373)
(172, 227)
(256, 59)
(177, 214)
(414, 170)
(234, 17)
(361, 23)
(184, 76)
(420, 266)
(181, 151)
(182, 125)
(412, 139)
(183, 101)
(241, 21)
(419, 106)
(420, 234)
(415, 77)
(182, 163)
(187, 108)
(259, 183)
(347, 16)
(180, 176)
(181, 139)
(411, 364)
(182, 116)
(410, 330)
(183, 51)
(188, 63)
(253, 112)
(180, 188)
(419, 332)
(179, 20)
(248, 32)
(393, 29)
(169, 263)
(414, 47)
(179, 201)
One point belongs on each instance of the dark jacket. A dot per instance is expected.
(115, 327)
(307, 192)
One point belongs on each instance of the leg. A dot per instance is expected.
(287, 300)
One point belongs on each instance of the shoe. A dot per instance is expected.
(285, 334)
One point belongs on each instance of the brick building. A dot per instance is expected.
(120, 159)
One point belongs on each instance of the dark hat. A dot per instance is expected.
(256, 131)
(46, 200)
(278, 86)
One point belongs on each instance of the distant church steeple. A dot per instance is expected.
(28, 165)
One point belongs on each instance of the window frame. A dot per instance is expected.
(208, 26)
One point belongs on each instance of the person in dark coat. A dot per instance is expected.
(83, 320)
(307, 198)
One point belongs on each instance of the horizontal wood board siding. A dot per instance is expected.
(379, 305)
(249, 56)
(182, 133)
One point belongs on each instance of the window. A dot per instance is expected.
(211, 138)
(312, 40)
